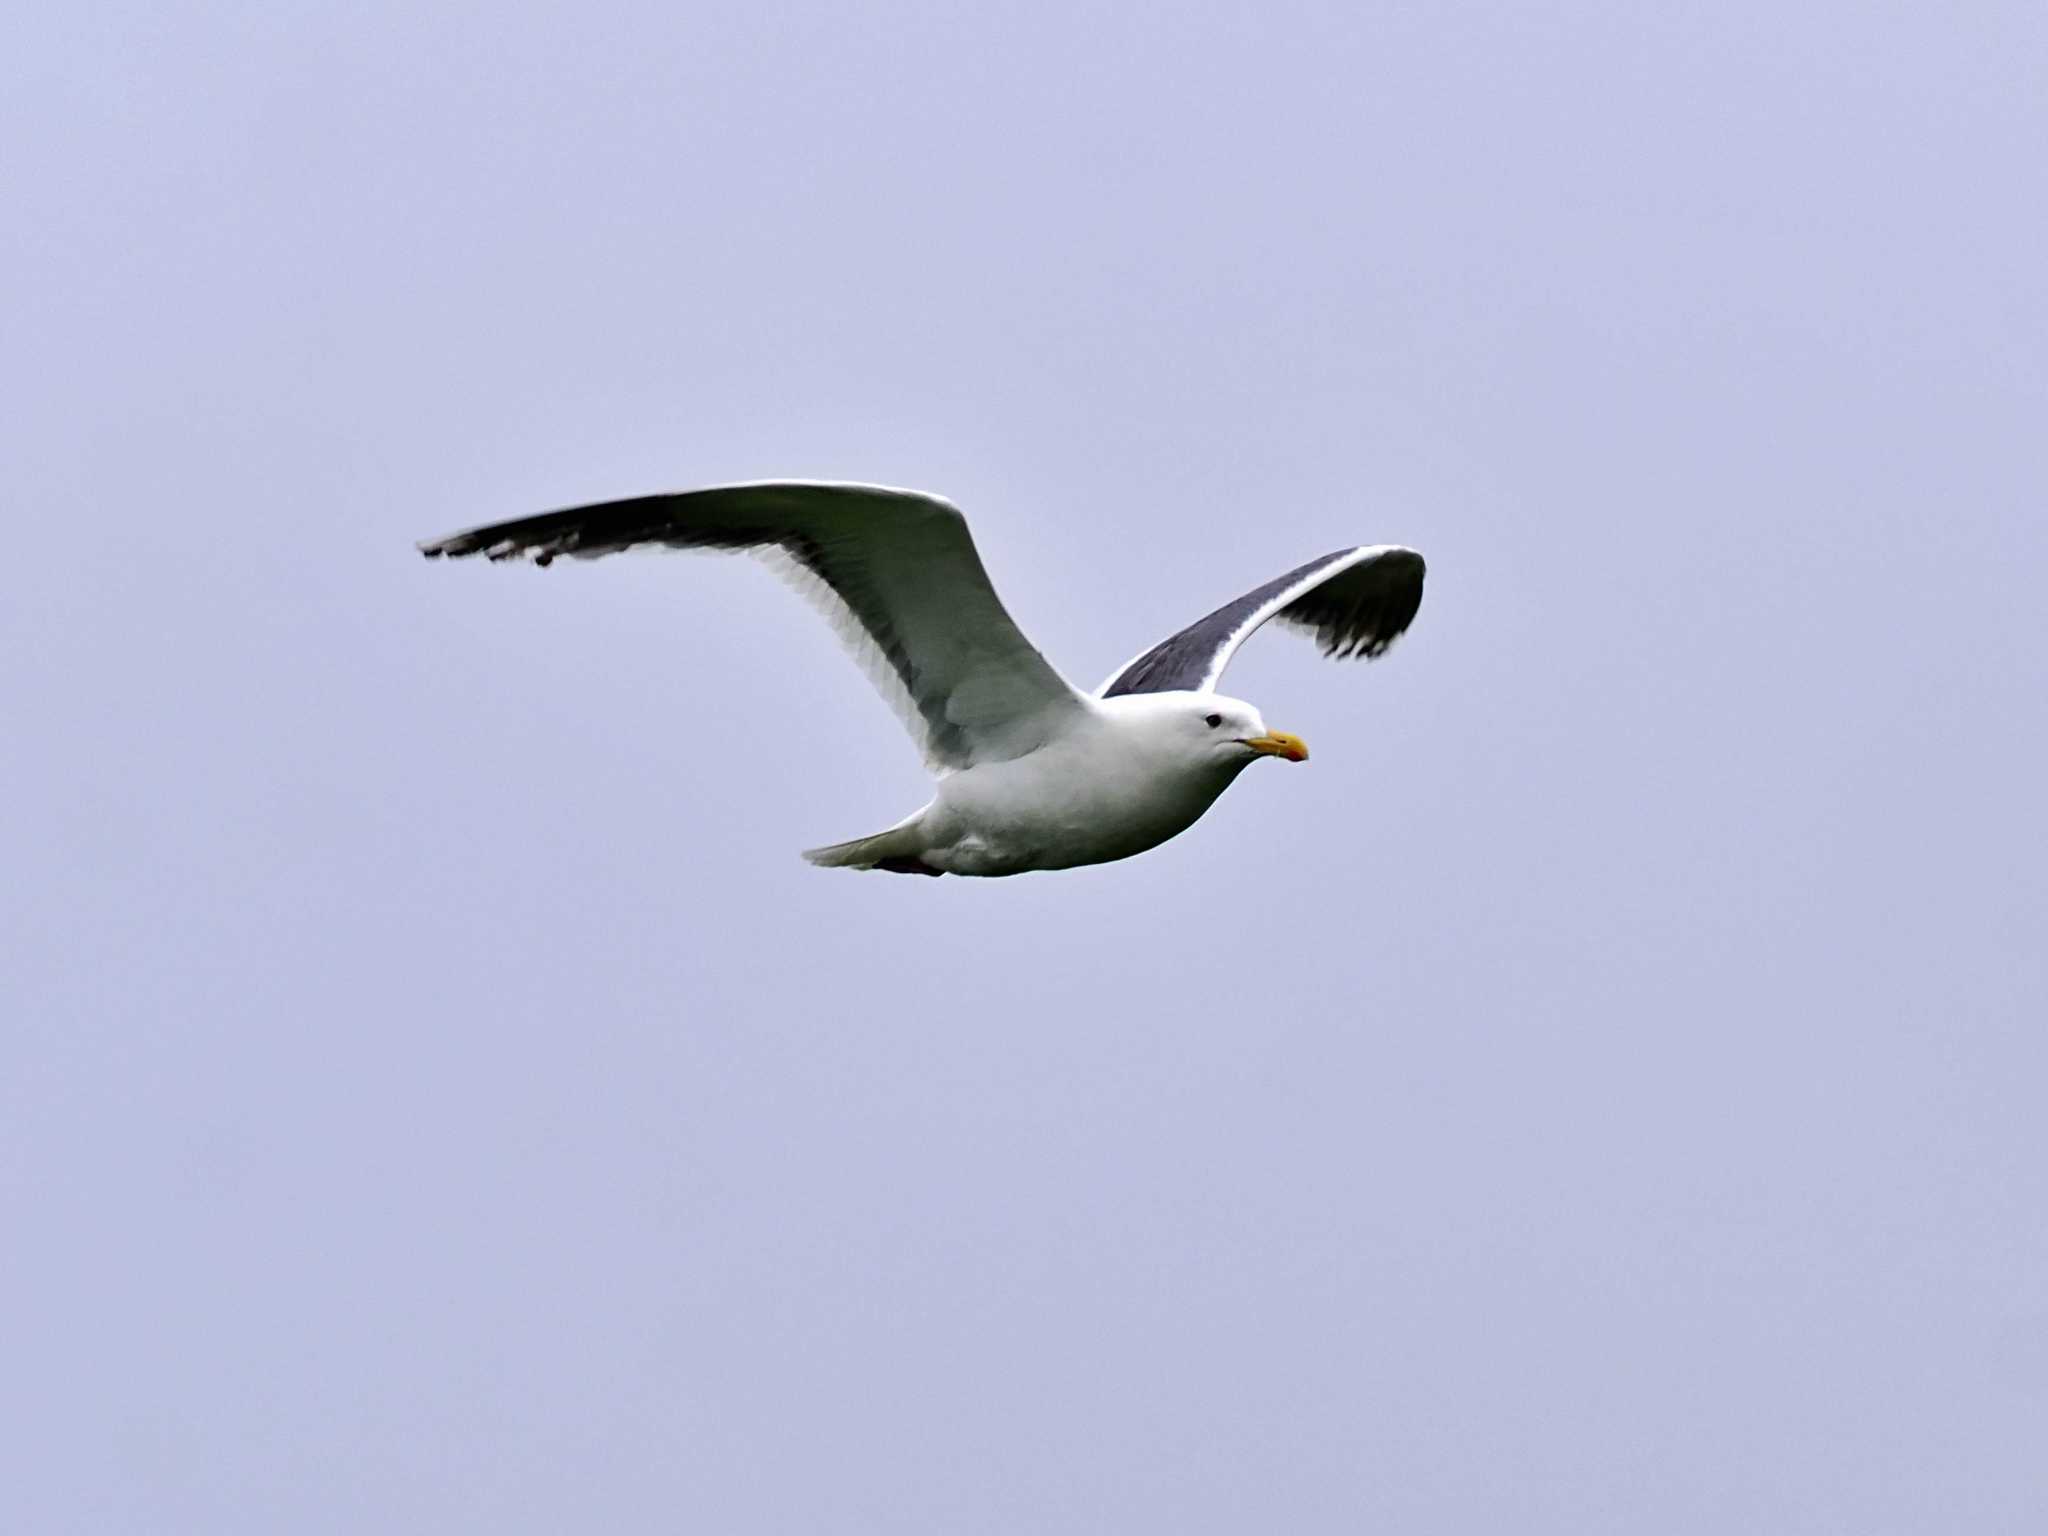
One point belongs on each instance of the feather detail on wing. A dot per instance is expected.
(895, 572)
(1356, 602)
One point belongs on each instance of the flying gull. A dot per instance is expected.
(1032, 773)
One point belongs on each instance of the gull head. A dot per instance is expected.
(1209, 729)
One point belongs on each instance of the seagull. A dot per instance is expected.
(1031, 773)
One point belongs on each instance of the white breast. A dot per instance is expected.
(1096, 794)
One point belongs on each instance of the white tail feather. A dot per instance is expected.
(905, 840)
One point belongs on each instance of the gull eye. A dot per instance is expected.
(1214, 721)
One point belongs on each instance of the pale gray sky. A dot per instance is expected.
(1602, 1092)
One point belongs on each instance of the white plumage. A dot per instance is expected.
(1032, 774)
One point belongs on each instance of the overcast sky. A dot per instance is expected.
(1601, 1092)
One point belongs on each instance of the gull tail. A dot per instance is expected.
(895, 850)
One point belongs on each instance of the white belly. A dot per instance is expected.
(1081, 802)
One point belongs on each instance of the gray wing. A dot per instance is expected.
(895, 571)
(1356, 602)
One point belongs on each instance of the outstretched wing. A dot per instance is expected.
(1356, 602)
(895, 571)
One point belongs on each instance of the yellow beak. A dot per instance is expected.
(1279, 744)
